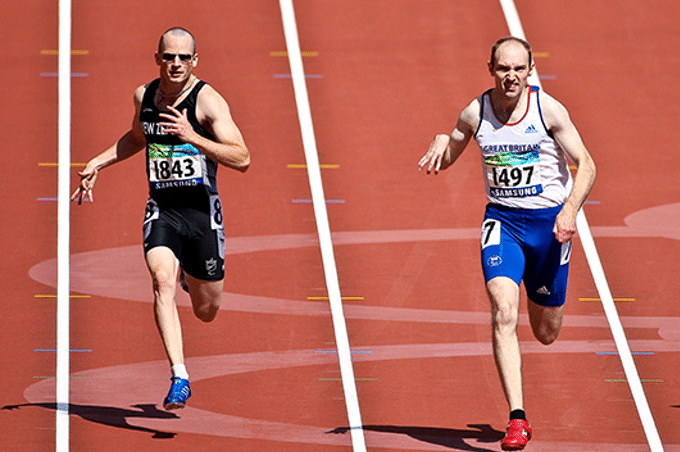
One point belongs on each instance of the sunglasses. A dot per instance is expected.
(183, 57)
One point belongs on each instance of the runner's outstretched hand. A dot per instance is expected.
(88, 176)
(435, 154)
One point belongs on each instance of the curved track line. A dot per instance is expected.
(119, 393)
(120, 273)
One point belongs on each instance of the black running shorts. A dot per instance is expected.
(195, 237)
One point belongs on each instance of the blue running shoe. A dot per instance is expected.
(178, 394)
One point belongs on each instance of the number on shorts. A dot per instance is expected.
(151, 212)
(216, 216)
(565, 255)
(491, 233)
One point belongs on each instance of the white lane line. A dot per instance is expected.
(634, 382)
(63, 228)
(596, 269)
(322, 224)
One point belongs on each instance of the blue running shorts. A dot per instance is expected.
(520, 244)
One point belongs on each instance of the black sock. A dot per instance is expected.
(518, 414)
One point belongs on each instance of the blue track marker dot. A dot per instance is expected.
(287, 76)
(83, 350)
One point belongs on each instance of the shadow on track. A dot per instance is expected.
(448, 437)
(112, 416)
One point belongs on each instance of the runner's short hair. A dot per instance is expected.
(502, 41)
(177, 31)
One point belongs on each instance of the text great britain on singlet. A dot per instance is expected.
(518, 148)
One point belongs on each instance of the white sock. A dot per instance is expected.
(180, 370)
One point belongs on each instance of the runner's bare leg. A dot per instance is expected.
(163, 266)
(504, 297)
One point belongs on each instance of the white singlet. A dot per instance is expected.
(523, 165)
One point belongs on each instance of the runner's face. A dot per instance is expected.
(172, 59)
(511, 69)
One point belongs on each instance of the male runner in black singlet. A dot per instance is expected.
(187, 130)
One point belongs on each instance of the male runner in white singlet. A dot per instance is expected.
(187, 130)
(525, 137)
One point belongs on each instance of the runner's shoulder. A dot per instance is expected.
(471, 114)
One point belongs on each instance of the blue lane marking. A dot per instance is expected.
(286, 76)
(328, 201)
(56, 74)
(82, 350)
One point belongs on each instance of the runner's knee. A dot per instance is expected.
(546, 338)
(164, 282)
(546, 322)
(546, 333)
(505, 316)
(206, 309)
(162, 266)
(206, 299)
(504, 297)
(206, 312)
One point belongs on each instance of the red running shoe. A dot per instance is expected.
(517, 435)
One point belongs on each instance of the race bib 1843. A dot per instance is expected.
(178, 165)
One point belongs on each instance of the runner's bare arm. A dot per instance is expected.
(129, 144)
(212, 111)
(445, 149)
(567, 136)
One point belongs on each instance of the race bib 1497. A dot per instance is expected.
(512, 175)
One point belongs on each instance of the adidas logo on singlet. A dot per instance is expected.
(531, 129)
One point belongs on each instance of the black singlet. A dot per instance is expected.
(178, 174)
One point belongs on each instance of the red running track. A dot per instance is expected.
(389, 75)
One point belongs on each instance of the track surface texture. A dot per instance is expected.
(383, 77)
